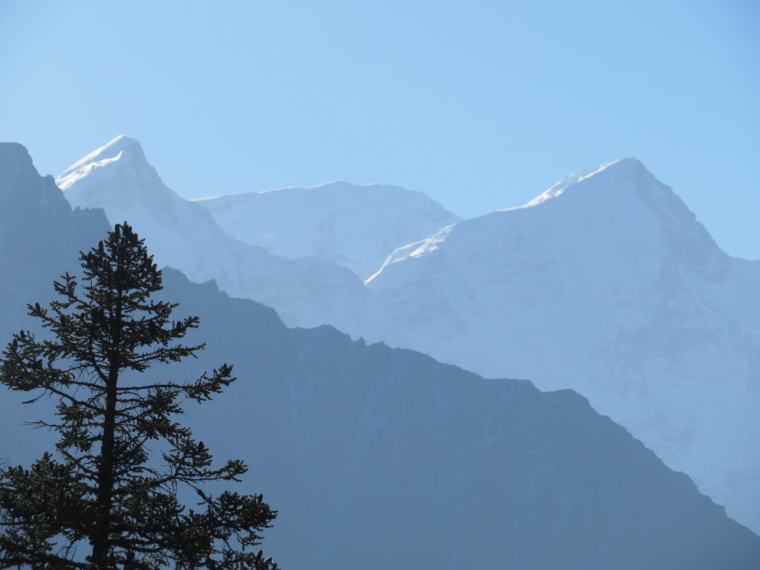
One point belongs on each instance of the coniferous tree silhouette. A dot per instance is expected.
(103, 492)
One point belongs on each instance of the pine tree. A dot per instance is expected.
(103, 500)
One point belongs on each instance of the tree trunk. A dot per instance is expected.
(101, 543)
(101, 536)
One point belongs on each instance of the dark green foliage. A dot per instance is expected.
(102, 501)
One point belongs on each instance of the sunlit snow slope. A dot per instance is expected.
(183, 235)
(605, 283)
(353, 226)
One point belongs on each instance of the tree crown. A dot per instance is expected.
(103, 487)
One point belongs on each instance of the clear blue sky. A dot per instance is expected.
(479, 104)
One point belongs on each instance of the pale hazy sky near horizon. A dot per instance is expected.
(481, 104)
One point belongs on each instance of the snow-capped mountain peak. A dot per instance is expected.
(124, 150)
(558, 189)
(625, 192)
(184, 235)
(607, 283)
(118, 178)
(589, 217)
(623, 183)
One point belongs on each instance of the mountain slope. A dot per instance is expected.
(182, 234)
(379, 457)
(40, 239)
(353, 226)
(29, 202)
(118, 178)
(605, 283)
(402, 462)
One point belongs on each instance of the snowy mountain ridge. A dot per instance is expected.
(118, 178)
(610, 276)
(381, 446)
(182, 234)
(606, 283)
(559, 187)
(109, 153)
(355, 226)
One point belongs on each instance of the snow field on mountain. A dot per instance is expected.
(353, 226)
(606, 284)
